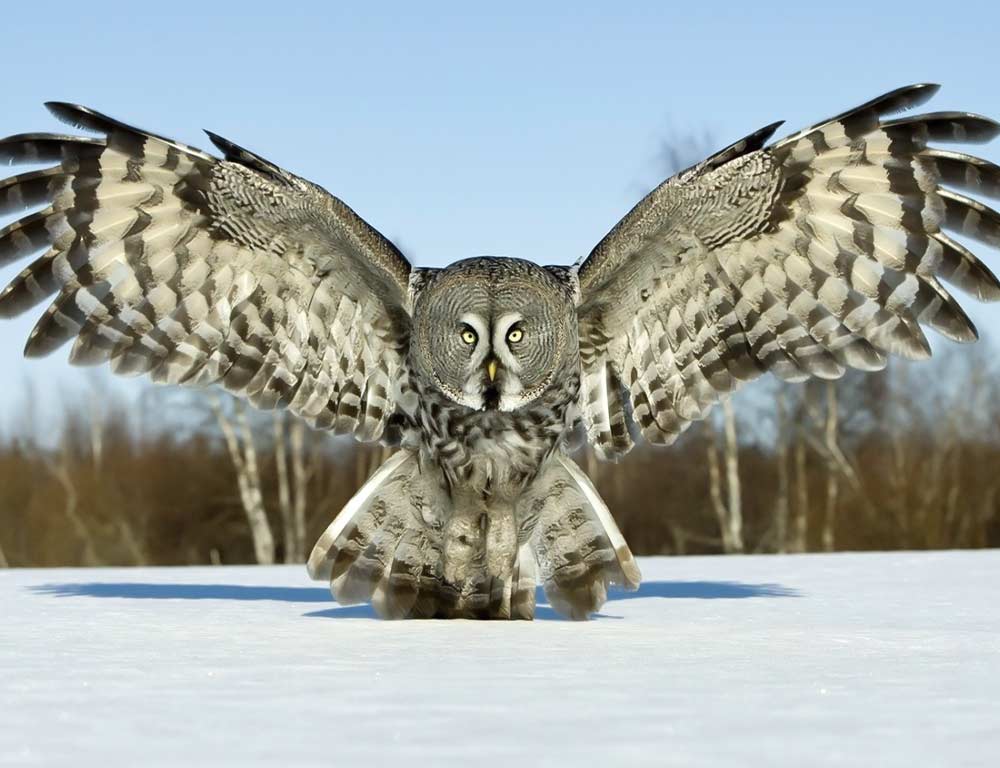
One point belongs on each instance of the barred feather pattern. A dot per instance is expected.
(416, 547)
(491, 452)
(823, 251)
(166, 261)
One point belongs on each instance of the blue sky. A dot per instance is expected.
(524, 131)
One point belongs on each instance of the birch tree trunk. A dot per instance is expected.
(243, 454)
(735, 505)
(96, 433)
(123, 517)
(59, 469)
(781, 455)
(800, 523)
(284, 489)
(300, 484)
(715, 485)
(898, 484)
(989, 512)
(729, 512)
(833, 469)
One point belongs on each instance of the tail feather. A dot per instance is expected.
(368, 573)
(389, 546)
(413, 586)
(415, 550)
(523, 582)
(347, 536)
(579, 549)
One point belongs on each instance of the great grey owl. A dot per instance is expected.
(819, 252)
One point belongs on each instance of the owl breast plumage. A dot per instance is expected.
(804, 257)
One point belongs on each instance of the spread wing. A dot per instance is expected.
(167, 261)
(823, 251)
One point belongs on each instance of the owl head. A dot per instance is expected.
(493, 334)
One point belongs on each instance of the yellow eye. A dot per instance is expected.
(514, 335)
(469, 336)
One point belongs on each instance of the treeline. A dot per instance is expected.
(909, 458)
(905, 459)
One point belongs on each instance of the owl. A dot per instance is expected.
(806, 256)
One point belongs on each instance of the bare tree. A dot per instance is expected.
(679, 153)
(59, 468)
(800, 520)
(293, 483)
(123, 518)
(284, 489)
(243, 454)
(781, 505)
(682, 536)
(96, 431)
(729, 512)
(833, 467)
(301, 475)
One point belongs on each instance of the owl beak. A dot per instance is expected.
(491, 368)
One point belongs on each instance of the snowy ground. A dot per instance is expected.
(887, 659)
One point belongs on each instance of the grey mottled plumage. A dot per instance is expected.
(819, 252)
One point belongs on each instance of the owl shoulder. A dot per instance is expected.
(566, 277)
(420, 278)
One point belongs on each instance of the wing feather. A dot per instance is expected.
(820, 252)
(166, 261)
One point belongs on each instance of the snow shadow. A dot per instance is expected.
(677, 590)
(542, 612)
(140, 591)
(697, 590)
(704, 590)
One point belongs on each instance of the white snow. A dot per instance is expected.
(851, 659)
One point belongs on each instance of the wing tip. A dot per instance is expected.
(768, 131)
(908, 96)
(80, 117)
(928, 87)
(38, 346)
(235, 153)
(219, 141)
(987, 128)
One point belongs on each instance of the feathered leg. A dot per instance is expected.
(579, 550)
(386, 545)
